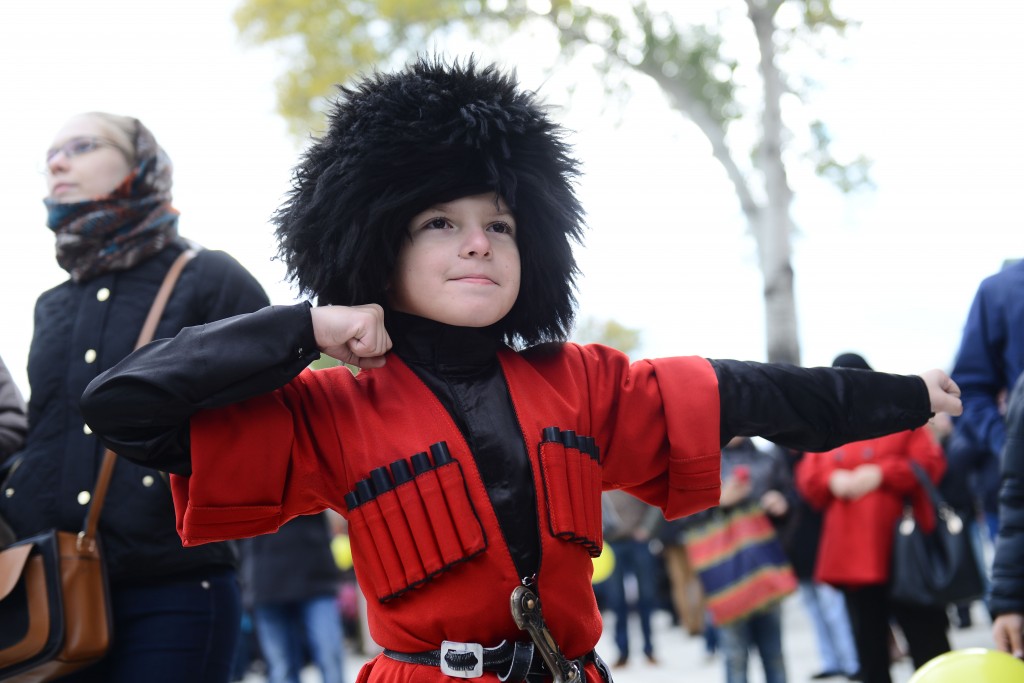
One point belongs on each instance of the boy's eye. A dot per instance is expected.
(503, 228)
(437, 224)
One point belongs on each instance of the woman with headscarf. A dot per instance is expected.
(176, 610)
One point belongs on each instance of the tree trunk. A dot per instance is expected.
(772, 226)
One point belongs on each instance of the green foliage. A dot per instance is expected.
(656, 44)
(852, 175)
(326, 43)
(608, 332)
(818, 14)
(325, 361)
(720, 71)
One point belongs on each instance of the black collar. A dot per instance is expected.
(427, 342)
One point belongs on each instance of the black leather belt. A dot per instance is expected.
(512, 661)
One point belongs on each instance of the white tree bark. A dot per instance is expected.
(772, 228)
(768, 211)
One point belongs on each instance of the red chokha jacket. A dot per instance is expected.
(428, 552)
(255, 439)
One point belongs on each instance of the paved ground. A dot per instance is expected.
(682, 659)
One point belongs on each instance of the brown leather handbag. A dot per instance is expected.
(54, 602)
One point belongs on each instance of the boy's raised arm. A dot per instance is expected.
(140, 407)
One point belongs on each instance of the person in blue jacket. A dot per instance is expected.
(989, 362)
(991, 356)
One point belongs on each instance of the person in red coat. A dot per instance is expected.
(434, 224)
(861, 488)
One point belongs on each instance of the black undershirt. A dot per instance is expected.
(460, 366)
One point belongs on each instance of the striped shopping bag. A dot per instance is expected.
(740, 562)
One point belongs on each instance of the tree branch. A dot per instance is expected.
(715, 134)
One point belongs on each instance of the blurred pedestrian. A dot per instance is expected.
(1006, 601)
(13, 425)
(13, 421)
(290, 583)
(990, 363)
(685, 591)
(990, 358)
(861, 487)
(629, 525)
(825, 605)
(175, 610)
(751, 476)
(957, 488)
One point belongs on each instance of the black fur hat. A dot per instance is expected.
(399, 143)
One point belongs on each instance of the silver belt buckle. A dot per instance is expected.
(462, 660)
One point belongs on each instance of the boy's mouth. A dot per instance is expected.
(475, 279)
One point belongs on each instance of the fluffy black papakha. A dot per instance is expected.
(401, 142)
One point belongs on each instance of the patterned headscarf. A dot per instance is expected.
(127, 226)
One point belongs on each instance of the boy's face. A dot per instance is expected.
(459, 264)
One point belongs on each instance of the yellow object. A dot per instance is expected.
(971, 665)
(603, 564)
(342, 551)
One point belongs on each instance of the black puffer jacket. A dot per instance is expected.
(80, 331)
(1008, 565)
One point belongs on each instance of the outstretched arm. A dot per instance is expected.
(943, 392)
(818, 409)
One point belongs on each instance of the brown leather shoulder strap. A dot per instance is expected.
(99, 493)
(162, 295)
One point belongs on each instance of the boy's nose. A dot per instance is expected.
(476, 243)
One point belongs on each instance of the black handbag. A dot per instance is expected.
(936, 569)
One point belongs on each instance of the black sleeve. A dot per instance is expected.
(816, 409)
(140, 407)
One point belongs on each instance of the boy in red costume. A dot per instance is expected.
(434, 224)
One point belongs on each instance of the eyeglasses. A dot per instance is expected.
(79, 146)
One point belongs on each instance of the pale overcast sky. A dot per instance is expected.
(931, 92)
